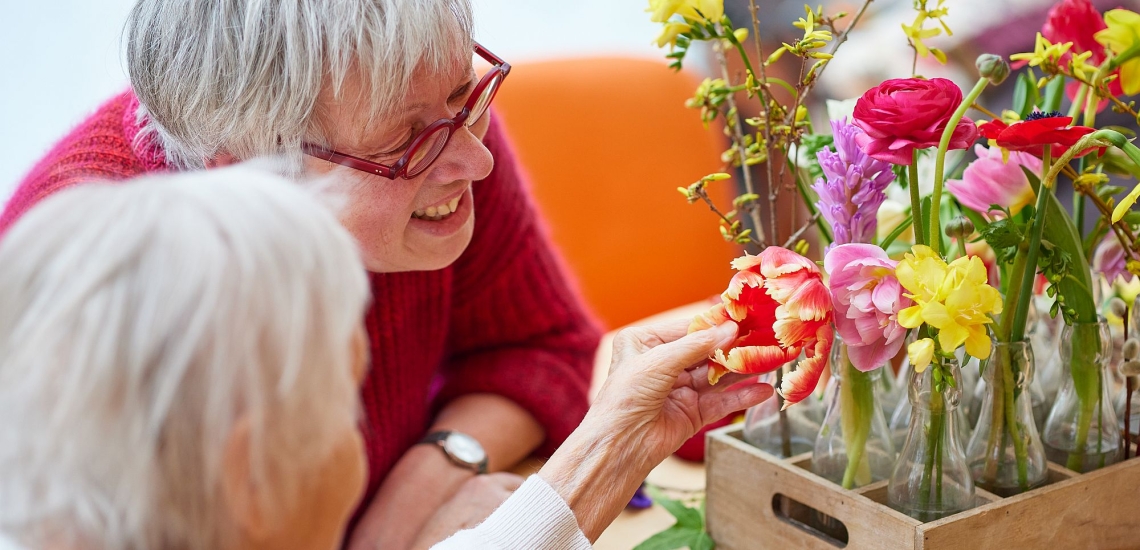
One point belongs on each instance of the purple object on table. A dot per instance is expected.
(640, 500)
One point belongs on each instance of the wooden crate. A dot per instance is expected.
(758, 501)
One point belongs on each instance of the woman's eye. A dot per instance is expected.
(399, 149)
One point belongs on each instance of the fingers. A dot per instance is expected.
(715, 406)
(698, 379)
(637, 339)
(675, 357)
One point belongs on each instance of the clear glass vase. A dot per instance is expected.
(1005, 454)
(853, 447)
(1082, 432)
(783, 433)
(930, 479)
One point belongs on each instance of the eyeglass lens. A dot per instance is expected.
(430, 148)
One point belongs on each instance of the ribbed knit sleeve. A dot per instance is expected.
(518, 328)
(535, 517)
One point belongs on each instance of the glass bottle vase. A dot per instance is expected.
(1082, 432)
(853, 447)
(1005, 454)
(782, 433)
(930, 479)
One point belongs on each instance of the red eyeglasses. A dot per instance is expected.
(427, 146)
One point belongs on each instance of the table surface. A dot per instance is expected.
(634, 526)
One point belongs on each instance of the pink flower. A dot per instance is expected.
(1075, 21)
(990, 180)
(782, 307)
(905, 114)
(867, 298)
(1110, 261)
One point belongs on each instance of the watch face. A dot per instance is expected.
(464, 448)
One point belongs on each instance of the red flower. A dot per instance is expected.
(782, 308)
(1077, 21)
(1035, 132)
(905, 114)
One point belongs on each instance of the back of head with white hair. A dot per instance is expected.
(243, 77)
(139, 322)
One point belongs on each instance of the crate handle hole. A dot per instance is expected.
(810, 520)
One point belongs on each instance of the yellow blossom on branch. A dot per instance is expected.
(954, 298)
(1122, 34)
(1046, 55)
(917, 33)
(670, 32)
(693, 10)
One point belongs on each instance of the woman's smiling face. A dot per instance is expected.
(417, 224)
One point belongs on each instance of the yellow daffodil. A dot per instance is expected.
(955, 299)
(1123, 32)
(920, 353)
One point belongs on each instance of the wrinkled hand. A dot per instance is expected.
(475, 500)
(658, 391)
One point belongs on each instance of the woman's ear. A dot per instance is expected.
(239, 488)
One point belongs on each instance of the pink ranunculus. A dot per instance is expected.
(867, 298)
(991, 180)
(905, 114)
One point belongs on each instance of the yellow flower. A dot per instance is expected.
(955, 299)
(1123, 32)
(920, 353)
(670, 32)
(662, 10)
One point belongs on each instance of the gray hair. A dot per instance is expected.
(243, 76)
(139, 322)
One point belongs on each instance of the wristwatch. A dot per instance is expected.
(463, 450)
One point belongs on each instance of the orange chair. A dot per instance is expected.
(606, 142)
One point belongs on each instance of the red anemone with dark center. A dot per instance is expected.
(1035, 132)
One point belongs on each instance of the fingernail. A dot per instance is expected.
(726, 333)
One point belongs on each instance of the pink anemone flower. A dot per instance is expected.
(867, 298)
(783, 308)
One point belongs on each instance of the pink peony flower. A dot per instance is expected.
(990, 180)
(867, 298)
(905, 114)
(782, 307)
(1110, 260)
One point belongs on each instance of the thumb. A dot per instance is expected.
(692, 349)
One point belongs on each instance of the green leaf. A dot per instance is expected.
(670, 539)
(686, 517)
(702, 542)
(1024, 95)
(813, 144)
(1054, 91)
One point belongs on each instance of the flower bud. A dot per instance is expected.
(1117, 307)
(959, 228)
(993, 67)
(1131, 349)
(1130, 368)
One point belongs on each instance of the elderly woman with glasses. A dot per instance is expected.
(179, 364)
(480, 351)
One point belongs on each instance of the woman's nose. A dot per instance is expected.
(464, 158)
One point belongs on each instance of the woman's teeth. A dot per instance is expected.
(436, 213)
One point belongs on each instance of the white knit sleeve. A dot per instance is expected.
(534, 517)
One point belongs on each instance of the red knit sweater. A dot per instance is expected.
(502, 319)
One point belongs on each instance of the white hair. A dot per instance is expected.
(243, 76)
(139, 322)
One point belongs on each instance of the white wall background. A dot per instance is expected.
(60, 58)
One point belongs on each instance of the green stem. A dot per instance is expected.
(940, 159)
(1075, 108)
(915, 199)
(809, 202)
(993, 443)
(1019, 450)
(1017, 330)
(856, 403)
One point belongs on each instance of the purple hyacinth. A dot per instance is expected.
(852, 188)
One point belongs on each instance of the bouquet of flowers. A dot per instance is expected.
(952, 272)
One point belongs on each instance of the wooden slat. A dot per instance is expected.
(1094, 510)
(742, 482)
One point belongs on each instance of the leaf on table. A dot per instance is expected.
(688, 532)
